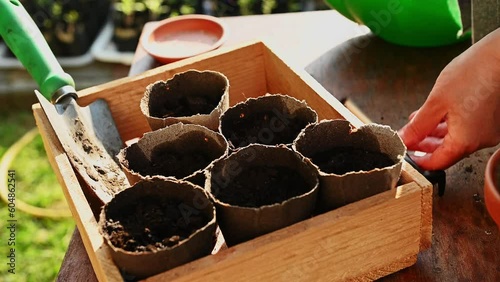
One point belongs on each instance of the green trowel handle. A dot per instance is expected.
(23, 37)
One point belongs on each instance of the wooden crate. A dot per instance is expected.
(361, 241)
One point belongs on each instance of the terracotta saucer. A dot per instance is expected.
(492, 187)
(184, 36)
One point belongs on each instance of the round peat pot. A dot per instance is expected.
(492, 187)
(198, 97)
(272, 119)
(158, 224)
(259, 189)
(353, 163)
(181, 151)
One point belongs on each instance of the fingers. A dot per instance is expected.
(441, 158)
(440, 131)
(428, 145)
(424, 122)
(412, 115)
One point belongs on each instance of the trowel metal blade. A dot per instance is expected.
(89, 137)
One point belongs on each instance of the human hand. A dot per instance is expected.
(462, 113)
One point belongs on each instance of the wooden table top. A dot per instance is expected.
(387, 82)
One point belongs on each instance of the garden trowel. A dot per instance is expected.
(87, 134)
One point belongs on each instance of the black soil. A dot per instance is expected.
(263, 128)
(180, 105)
(170, 162)
(341, 160)
(263, 185)
(153, 224)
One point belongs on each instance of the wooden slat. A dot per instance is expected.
(80, 209)
(283, 78)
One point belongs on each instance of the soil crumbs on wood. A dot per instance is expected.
(264, 128)
(341, 160)
(153, 225)
(263, 185)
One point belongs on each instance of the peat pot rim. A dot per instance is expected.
(326, 122)
(176, 126)
(144, 104)
(207, 83)
(175, 183)
(305, 161)
(252, 101)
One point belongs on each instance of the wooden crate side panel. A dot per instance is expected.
(409, 174)
(282, 78)
(82, 213)
(330, 247)
(242, 65)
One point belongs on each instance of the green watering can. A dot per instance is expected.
(419, 23)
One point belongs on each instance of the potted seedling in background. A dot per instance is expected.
(71, 32)
(157, 10)
(129, 18)
(184, 7)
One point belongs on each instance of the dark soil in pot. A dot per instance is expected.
(197, 97)
(353, 163)
(167, 161)
(181, 151)
(260, 188)
(156, 224)
(180, 104)
(271, 119)
(263, 185)
(257, 128)
(340, 160)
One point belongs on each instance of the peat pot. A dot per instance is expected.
(353, 163)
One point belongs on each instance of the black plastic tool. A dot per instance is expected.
(434, 176)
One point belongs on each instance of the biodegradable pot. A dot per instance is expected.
(353, 163)
(271, 119)
(158, 224)
(181, 151)
(492, 187)
(198, 97)
(259, 189)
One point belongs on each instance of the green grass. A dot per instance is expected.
(40, 242)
